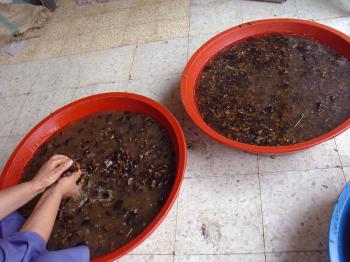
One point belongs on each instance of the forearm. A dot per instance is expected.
(43, 217)
(14, 197)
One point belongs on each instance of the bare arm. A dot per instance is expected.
(43, 217)
(14, 197)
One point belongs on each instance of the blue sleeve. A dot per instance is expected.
(74, 254)
(11, 224)
(21, 247)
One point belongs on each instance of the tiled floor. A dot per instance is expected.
(233, 206)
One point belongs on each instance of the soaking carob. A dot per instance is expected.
(275, 90)
(128, 165)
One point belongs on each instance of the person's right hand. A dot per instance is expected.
(67, 186)
(51, 171)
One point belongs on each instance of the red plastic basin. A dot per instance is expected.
(12, 172)
(237, 34)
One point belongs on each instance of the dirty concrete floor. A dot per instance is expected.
(233, 206)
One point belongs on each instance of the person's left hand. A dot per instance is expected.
(51, 171)
(67, 186)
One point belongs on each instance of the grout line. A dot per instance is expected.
(177, 210)
(16, 118)
(330, 18)
(160, 20)
(252, 253)
(336, 146)
(3, 153)
(15, 95)
(33, 60)
(46, 113)
(341, 164)
(89, 85)
(261, 208)
(218, 177)
(299, 170)
(75, 93)
(153, 76)
(72, 98)
(299, 251)
(133, 59)
(241, 7)
(263, 173)
(36, 75)
(134, 255)
(189, 29)
(315, 19)
(139, 5)
(78, 53)
(38, 92)
(298, 13)
(161, 75)
(296, 8)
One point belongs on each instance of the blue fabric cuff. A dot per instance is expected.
(74, 254)
(21, 246)
(11, 224)
(34, 240)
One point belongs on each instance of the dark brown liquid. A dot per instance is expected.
(128, 166)
(275, 90)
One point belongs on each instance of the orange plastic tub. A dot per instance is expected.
(237, 34)
(12, 172)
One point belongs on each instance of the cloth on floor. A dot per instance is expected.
(21, 21)
(13, 48)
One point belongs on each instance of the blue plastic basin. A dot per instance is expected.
(339, 229)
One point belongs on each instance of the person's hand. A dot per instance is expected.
(67, 186)
(51, 171)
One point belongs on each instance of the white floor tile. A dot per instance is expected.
(342, 24)
(163, 89)
(297, 207)
(215, 16)
(343, 145)
(196, 42)
(146, 258)
(221, 258)
(39, 105)
(7, 146)
(320, 156)
(208, 158)
(162, 240)
(57, 74)
(316, 9)
(253, 10)
(17, 79)
(3, 156)
(297, 257)
(9, 109)
(106, 66)
(219, 216)
(160, 58)
(158, 87)
(118, 86)
(347, 173)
